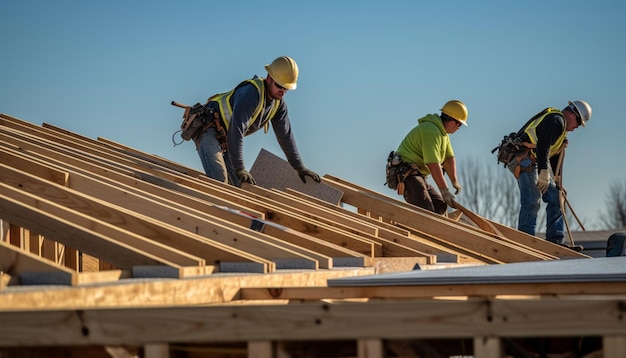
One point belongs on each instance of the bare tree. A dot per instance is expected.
(490, 191)
(615, 213)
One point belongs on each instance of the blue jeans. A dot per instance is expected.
(529, 202)
(216, 163)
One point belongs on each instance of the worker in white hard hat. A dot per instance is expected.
(250, 106)
(545, 136)
(425, 150)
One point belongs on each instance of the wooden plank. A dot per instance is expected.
(315, 212)
(193, 187)
(370, 348)
(41, 215)
(429, 291)
(464, 254)
(390, 248)
(479, 220)
(134, 199)
(488, 227)
(50, 150)
(402, 319)
(391, 232)
(440, 226)
(213, 289)
(295, 220)
(614, 346)
(528, 241)
(538, 243)
(17, 263)
(125, 224)
(488, 347)
(260, 349)
(5, 278)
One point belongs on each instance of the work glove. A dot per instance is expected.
(543, 181)
(303, 172)
(245, 177)
(448, 197)
(457, 186)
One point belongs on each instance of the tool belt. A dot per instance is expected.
(213, 120)
(515, 165)
(410, 170)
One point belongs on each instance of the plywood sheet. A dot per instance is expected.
(272, 172)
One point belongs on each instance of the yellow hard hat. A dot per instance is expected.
(284, 71)
(456, 109)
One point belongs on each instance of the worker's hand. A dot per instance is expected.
(448, 197)
(543, 180)
(303, 172)
(457, 186)
(245, 177)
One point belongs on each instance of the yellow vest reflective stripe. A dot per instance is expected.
(531, 131)
(226, 110)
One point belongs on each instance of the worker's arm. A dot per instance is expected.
(449, 165)
(437, 173)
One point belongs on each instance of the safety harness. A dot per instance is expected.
(226, 109)
(512, 146)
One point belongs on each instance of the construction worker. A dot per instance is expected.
(426, 148)
(250, 106)
(545, 136)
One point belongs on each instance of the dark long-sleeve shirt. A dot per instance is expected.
(548, 131)
(244, 102)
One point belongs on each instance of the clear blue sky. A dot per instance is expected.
(368, 70)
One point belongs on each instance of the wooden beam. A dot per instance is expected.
(488, 347)
(521, 238)
(422, 291)
(18, 263)
(441, 226)
(133, 229)
(392, 232)
(395, 319)
(614, 346)
(43, 218)
(260, 349)
(390, 248)
(202, 212)
(212, 289)
(82, 162)
(199, 190)
(370, 348)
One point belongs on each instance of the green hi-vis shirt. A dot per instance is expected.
(427, 143)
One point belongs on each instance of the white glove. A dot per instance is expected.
(447, 197)
(543, 180)
(457, 186)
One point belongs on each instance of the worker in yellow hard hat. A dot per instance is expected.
(251, 105)
(424, 151)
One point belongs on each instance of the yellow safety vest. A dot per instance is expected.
(226, 110)
(531, 131)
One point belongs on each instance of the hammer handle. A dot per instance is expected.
(174, 103)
